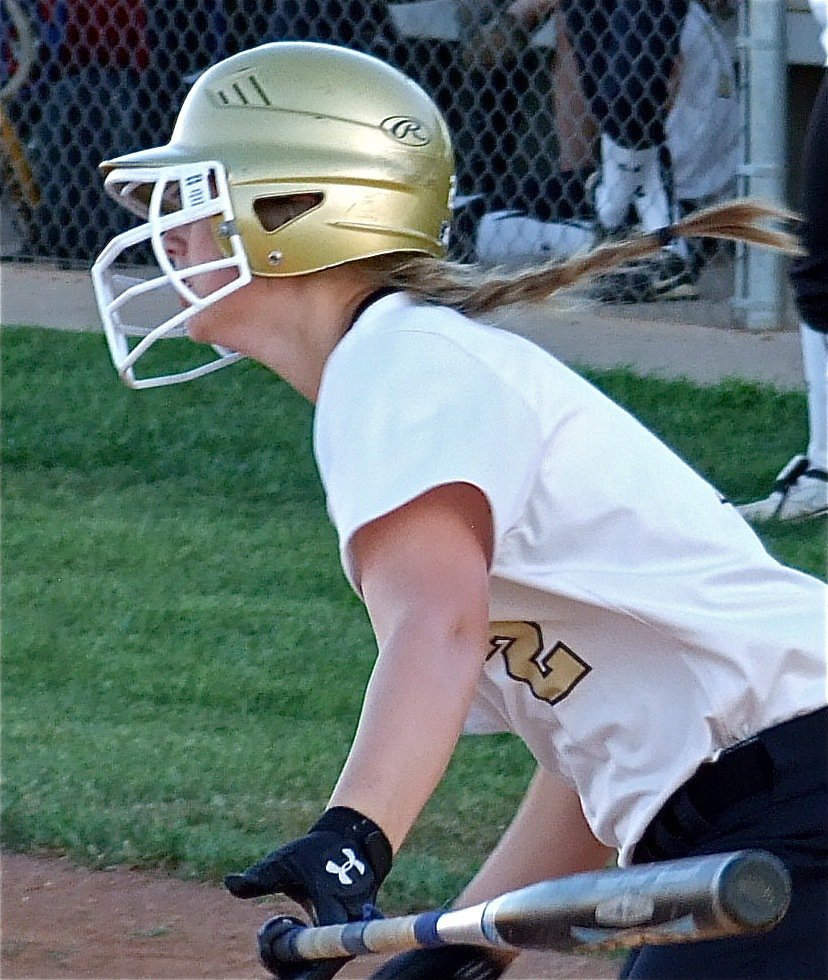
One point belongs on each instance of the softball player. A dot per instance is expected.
(532, 559)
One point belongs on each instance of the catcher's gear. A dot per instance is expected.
(448, 963)
(360, 144)
(334, 873)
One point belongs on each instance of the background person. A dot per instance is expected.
(364, 25)
(88, 94)
(694, 127)
(801, 488)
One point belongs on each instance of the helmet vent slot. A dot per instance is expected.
(275, 212)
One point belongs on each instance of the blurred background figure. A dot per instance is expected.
(106, 76)
(364, 25)
(85, 99)
(646, 119)
(801, 488)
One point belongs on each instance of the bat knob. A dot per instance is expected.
(276, 940)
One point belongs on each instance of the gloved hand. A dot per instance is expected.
(333, 872)
(445, 963)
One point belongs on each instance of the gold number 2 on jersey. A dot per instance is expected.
(550, 673)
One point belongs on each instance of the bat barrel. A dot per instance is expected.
(673, 901)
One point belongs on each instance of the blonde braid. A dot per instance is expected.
(476, 290)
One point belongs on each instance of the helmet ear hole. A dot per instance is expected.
(275, 212)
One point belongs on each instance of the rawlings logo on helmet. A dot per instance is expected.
(407, 130)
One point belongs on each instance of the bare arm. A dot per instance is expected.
(423, 572)
(548, 838)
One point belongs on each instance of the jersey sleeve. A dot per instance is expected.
(406, 411)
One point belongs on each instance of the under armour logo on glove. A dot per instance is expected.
(334, 871)
(352, 862)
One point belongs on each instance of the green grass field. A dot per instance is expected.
(183, 662)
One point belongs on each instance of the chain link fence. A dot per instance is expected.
(538, 94)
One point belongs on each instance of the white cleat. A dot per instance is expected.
(800, 492)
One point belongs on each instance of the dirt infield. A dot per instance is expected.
(61, 921)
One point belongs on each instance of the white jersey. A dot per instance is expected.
(638, 626)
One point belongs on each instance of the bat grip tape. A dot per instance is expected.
(352, 938)
(425, 930)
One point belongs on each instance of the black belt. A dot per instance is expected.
(740, 772)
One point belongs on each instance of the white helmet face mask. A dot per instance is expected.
(137, 312)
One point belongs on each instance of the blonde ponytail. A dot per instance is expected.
(477, 291)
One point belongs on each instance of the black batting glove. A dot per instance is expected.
(445, 963)
(334, 872)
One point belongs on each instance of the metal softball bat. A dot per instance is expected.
(710, 897)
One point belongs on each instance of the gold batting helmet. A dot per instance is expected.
(302, 156)
(288, 118)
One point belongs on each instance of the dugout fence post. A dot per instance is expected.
(759, 300)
